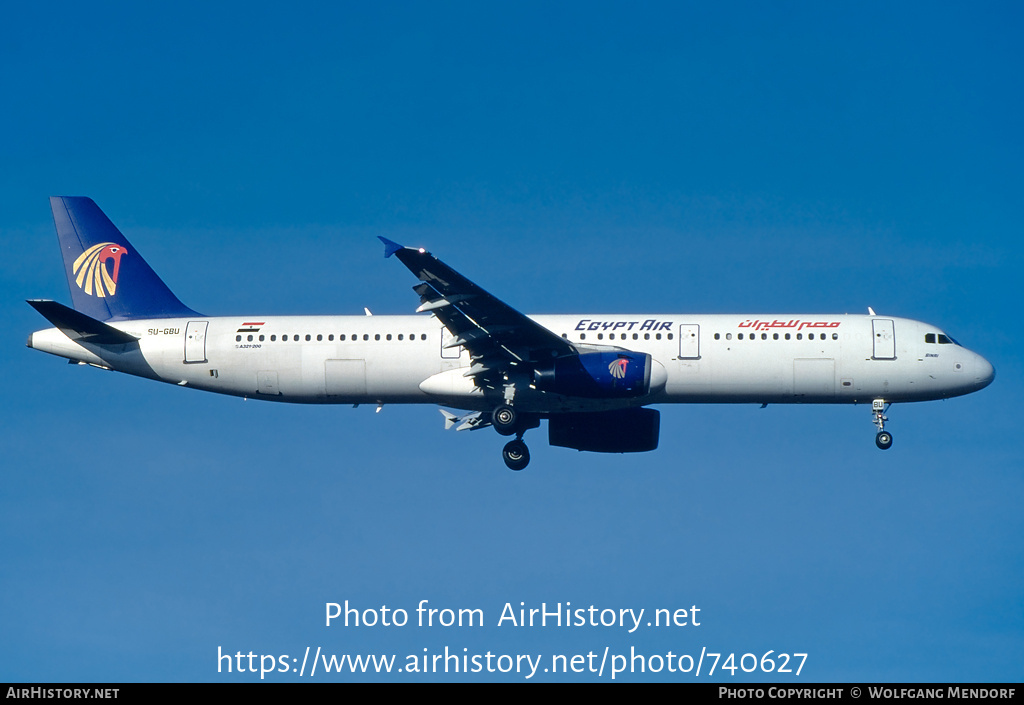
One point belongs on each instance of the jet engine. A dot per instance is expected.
(596, 375)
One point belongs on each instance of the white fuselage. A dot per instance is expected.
(402, 359)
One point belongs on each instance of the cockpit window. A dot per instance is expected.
(939, 338)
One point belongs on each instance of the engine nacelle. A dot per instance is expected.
(625, 431)
(596, 375)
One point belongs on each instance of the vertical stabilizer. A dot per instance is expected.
(108, 278)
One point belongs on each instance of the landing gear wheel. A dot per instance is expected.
(878, 408)
(516, 455)
(504, 419)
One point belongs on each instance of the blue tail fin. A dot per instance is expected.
(108, 278)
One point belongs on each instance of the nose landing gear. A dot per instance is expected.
(883, 439)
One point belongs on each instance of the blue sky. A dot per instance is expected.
(590, 157)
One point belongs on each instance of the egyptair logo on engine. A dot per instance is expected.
(91, 273)
(618, 368)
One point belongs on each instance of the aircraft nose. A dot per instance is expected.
(984, 373)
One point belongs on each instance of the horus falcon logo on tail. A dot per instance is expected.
(90, 272)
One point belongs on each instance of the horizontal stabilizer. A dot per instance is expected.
(78, 326)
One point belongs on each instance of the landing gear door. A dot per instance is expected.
(195, 341)
(884, 339)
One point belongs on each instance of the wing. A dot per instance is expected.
(495, 334)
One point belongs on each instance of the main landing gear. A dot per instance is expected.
(516, 455)
(883, 439)
(504, 419)
(509, 422)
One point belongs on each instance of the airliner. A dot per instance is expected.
(592, 377)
